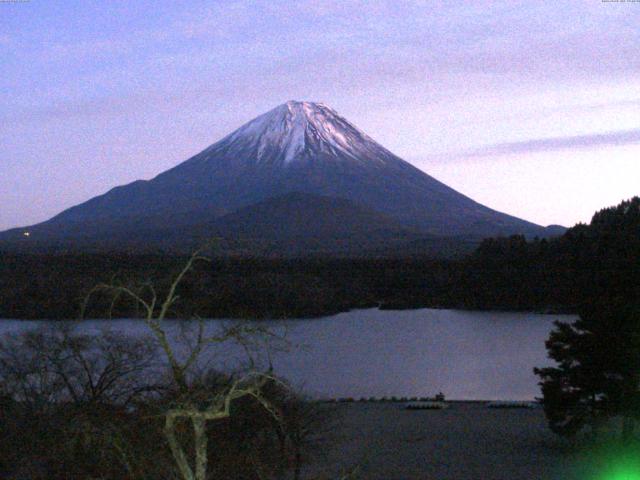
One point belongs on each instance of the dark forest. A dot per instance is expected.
(510, 273)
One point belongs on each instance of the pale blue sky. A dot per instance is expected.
(532, 108)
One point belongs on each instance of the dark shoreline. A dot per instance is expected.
(466, 441)
(38, 286)
(301, 318)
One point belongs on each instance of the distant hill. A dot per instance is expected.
(302, 215)
(299, 175)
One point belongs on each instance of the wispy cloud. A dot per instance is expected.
(618, 138)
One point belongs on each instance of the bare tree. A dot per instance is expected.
(66, 394)
(56, 364)
(192, 402)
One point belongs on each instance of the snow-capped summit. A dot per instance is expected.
(299, 131)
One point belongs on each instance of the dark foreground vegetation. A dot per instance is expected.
(596, 376)
(505, 273)
(78, 406)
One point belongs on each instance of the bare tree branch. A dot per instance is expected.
(196, 405)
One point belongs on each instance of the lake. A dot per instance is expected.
(374, 353)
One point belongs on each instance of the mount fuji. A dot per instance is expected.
(299, 175)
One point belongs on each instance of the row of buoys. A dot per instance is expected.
(441, 405)
(438, 398)
(426, 406)
(511, 404)
(430, 403)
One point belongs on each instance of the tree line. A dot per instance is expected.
(510, 273)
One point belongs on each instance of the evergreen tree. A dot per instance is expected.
(598, 369)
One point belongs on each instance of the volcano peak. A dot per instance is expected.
(298, 146)
(300, 131)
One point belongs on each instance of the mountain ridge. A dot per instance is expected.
(296, 147)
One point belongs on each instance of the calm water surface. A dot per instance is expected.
(363, 353)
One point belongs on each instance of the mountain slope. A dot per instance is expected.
(296, 147)
(299, 215)
(301, 223)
